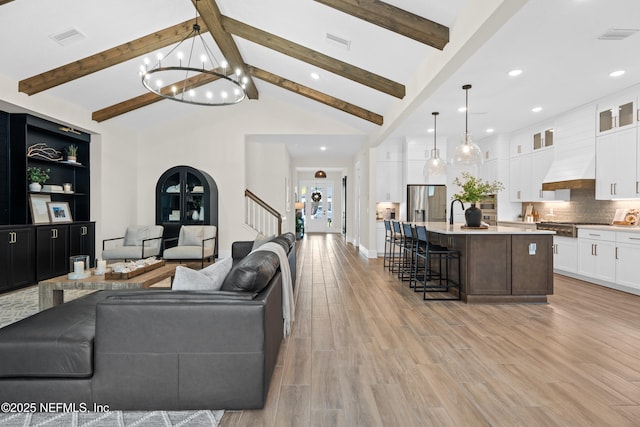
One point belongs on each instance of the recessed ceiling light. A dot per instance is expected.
(323, 148)
(617, 73)
(315, 76)
(490, 130)
(515, 73)
(462, 109)
(536, 109)
(430, 130)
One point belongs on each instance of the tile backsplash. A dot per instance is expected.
(582, 208)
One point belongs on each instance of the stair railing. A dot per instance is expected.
(260, 216)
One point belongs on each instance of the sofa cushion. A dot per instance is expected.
(253, 273)
(53, 343)
(209, 278)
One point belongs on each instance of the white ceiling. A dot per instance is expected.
(553, 41)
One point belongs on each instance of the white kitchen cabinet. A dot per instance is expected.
(617, 165)
(616, 113)
(596, 254)
(542, 139)
(520, 143)
(390, 151)
(565, 254)
(520, 178)
(389, 182)
(380, 237)
(627, 259)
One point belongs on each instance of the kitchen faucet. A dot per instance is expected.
(451, 212)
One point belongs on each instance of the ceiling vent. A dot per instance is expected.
(618, 33)
(67, 37)
(339, 41)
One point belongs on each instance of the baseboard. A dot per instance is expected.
(599, 282)
(368, 253)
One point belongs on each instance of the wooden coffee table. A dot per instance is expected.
(51, 291)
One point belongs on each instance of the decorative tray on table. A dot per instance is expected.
(133, 269)
(482, 227)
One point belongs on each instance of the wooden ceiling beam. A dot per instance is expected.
(5, 2)
(107, 58)
(313, 57)
(208, 10)
(316, 96)
(394, 19)
(150, 97)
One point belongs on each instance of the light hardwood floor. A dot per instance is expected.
(367, 351)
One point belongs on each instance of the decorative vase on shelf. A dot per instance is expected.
(35, 187)
(71, 159)
(201, 214)
(473, 216)
(194, 215)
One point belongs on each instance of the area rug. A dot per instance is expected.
(20, 304)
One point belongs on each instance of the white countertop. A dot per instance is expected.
(622, 228)
(446, 228)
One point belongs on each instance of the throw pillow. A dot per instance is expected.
(252, 273)
(208, 279)
(135, 235)
(193, 237)
(218, 271)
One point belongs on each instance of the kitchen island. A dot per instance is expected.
(498, 264)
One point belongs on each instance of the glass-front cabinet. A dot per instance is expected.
(185, 196)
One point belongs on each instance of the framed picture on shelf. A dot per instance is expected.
(59, 212)
(39, 212)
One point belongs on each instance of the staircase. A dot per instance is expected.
(260, 216)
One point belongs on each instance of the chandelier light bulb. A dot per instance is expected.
(159, 83)
(159, 56)
(245, 79)
(192, 93)
(174, 90)
(209, 95)
(224, 95)
(224, 64)
(146, 61)
(238, 72)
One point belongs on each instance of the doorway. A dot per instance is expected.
(318, 207)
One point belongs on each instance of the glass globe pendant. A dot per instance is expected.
(467, 153)
(434, 165)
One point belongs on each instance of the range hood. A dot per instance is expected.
(575, 170)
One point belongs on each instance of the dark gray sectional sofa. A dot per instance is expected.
(155, 349)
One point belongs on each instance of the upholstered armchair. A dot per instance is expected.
(195, 242)
(138, 242)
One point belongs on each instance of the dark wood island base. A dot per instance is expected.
(499, 264)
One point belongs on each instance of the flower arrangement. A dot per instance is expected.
(36, 174)
(474, 189)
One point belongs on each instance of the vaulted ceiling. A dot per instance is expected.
(383, 66)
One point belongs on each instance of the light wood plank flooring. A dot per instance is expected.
(367, 351)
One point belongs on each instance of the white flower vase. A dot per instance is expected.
(194, 215)
(35, 187)
(201, 213)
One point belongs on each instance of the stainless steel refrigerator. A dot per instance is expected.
(426, 203)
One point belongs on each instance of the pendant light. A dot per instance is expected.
(467, 153)
(434, 165)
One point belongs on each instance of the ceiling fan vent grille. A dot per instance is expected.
(618, 33)
(339, 41)
(67, 37)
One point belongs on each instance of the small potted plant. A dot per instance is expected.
(472, 190)
(37, 176)
(72, 153)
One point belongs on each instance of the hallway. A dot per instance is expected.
(366, 350)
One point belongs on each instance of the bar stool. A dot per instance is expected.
(441, 255)
(388, 236)
(405, 272)
(397, 241)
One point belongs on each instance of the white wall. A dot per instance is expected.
(213, 140)
(268, 176)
